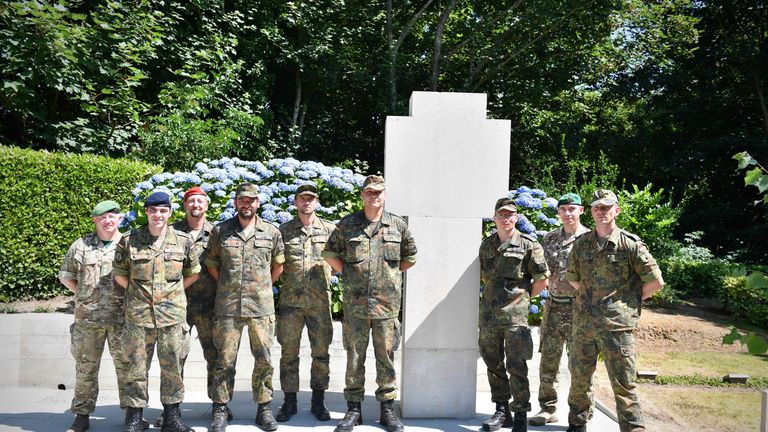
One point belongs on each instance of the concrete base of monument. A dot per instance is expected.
(38, 346)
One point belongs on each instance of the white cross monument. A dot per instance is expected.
(445, 165)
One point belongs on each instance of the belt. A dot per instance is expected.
(561, 300)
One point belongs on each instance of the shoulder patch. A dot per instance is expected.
(630, 236)
(528, 237)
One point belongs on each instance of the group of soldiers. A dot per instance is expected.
(145, 289)
(596, 283)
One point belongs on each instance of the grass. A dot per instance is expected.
(707, 364)
(42, 309)
(709, 409)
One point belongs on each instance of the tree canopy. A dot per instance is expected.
(613, 92)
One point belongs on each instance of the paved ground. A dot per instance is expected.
(45, 408)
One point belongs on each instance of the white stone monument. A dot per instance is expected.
(445, 165)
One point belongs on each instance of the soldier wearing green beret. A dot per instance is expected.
(87, 272)
(155, 264)
(372, 248)
(612, 272)
(512, 270)
(305, 301)
(558, 309)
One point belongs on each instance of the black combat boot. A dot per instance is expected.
(388, 417)
(500, 418)
(318, 405)
(172, 419)
(230, 416)
(521, 422)
(264, 417)
(288, 409)
(352, 418)
(81, 423)
(219, 423)
(576, 428)
(133, 420)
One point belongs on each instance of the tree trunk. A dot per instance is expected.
(438, 45)
(296, 109)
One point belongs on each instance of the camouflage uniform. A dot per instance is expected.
(201, 297)
(244, 298)
(606, 313)
(558, 313)
(372, 295)
(98, 317)
(305, 300)
(504, 330)
(155, 310)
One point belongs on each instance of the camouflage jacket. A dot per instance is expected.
(98, 300)
(201, 296)
(244, 259)
(372, 277)
(155, 294)
(306, 276)
(557, 246)
(515, 263)
(611, 279)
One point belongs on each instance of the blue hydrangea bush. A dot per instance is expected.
(278, 180)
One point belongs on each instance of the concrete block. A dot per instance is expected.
(735, 378)
(438, 381)
(447, 145)
(443, 289)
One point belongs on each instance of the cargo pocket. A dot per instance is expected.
(520, 343)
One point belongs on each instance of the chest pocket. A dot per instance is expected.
(230, 251)
(391, 246)
(142, 266)
(91, 272)
(174, 264)
(294, 247)
(262, 249)
(318, 245)
(356, 249)
(619, 265)
(513, 263)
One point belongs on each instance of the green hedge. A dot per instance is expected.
(45, 203)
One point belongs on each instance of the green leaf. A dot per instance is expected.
(744, 159)
(753, 176)
(757, 280)
(732, 337)
(756, 345)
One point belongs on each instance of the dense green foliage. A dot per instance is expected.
(47, 198)
(600, 93)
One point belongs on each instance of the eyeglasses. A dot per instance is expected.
(502, 216)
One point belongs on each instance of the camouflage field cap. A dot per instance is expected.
(505, 204)
(604, 197)
(569, 198)
(374, 182)
(306, 189)
(158, 199)
(247, 190)
(105, 207)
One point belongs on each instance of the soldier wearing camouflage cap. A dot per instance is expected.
(372, 248)
(245, 257)
(612, 272)
(305, 301)
(155, 264)
(87, 272)
(512, 270)
(558, 310)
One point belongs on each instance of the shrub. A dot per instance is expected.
(693, 271)
(47, 199)
(651, 216)
(747, 300)
(277, 179)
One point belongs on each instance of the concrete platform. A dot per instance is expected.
(35, 360)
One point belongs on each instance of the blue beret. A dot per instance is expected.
(158, 199)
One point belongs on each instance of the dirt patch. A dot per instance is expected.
(683, 330)
(62, 304)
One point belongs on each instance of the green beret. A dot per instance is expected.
(104, 207)
(569, 198)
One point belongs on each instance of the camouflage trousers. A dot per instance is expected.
(516, 344)
(203, 322)
(87, 348)
(555, 333)
(618, 349)
(386, 339)
(290, 324)
(139, 347)
(227, 332)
